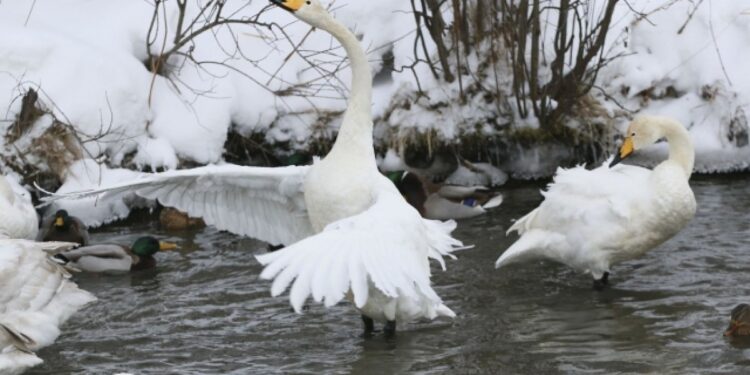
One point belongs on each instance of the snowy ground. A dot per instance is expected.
(87, 59)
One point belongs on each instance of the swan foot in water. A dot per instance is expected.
(599, 284)
(369, 325)
(390, 328)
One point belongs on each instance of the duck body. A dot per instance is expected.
(739, 324)
(113, 258)
(173, 219)
(18, 219)
(445, 202)
(592, 219)
(102, 258)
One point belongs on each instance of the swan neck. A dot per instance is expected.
(356, 128)
(681, 149)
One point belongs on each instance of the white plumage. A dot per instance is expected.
(18, 218)
(592, 219)
(380, 255)
(36, 297)
(362, 240)
(264, 203)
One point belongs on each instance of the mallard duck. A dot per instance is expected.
(443, 202)
(350, 232)
(739, 325)
(65, 228)
(592, 219)
(18, 217)
(173, 219)
(36, 298)
(113, 258)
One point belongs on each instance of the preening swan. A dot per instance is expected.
(351, 233)
(36, 298)
(17, 215)
(590, 220)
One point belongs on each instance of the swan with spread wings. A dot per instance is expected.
(350, 233)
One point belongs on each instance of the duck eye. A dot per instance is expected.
(632, 134)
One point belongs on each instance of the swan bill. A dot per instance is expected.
(290, 5)
(625, 150)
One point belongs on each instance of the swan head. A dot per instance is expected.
(311, 12)
(642, 132)
(739, 324)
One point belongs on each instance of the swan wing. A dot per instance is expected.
(579, 197)
(36, 297)
(387, 246)
(581, 209)
(264, 203)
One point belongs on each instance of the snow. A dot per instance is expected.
(87, 61)
(696, 75)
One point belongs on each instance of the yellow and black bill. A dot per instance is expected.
(625, 150)
(290, 5)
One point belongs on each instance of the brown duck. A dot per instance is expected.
(740, 323)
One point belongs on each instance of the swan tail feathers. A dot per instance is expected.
(523, 224)
(533, 244)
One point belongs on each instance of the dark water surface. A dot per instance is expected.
(204, 311)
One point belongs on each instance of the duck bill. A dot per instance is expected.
(733, 327)
(625, 151)
(288, 5)
(59, 222)
(166, 246)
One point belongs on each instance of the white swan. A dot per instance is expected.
(36, 297)
(17, 215)
(590, 220)
(357, 236)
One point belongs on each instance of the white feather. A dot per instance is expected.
(264, 203)
(383, 250)
(18, 218)
(36, 298)
(592, 219)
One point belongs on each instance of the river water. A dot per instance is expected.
(204, 311)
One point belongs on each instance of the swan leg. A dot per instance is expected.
(390, 328)
(599, 284)
(369, 325)
(272, 248)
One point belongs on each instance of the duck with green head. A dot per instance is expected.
(111, 258)
(62, 227)
(739, 324)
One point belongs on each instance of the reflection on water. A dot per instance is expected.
(203, 310)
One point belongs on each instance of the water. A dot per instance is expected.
(203, 310)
